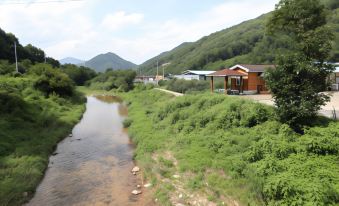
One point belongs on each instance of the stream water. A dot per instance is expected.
(93, 166)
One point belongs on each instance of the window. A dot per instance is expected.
(238, 81)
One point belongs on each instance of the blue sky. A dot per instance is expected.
(134, 29)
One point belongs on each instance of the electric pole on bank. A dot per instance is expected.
(16, 58)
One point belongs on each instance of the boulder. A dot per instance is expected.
(135, 169)
(136, 192)
(147, 185)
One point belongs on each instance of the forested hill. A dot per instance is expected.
(109, 61)
(243, 43)
(34, 54)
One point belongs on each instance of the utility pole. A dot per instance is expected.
(163, 72)
(157, 72)
(16, 58)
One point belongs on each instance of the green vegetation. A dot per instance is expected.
(186, 86)
(29, 52)
(39, 107)
(121, 80)
(299, 78)
(31, 124)
(234, 147)
(243, 43)
(108, 61)
(79, 74)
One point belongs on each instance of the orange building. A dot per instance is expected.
(244, 78)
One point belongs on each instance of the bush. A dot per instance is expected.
(184, 86)
(127, 123)
(123, 80)
(53, 81)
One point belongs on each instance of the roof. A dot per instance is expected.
(227, 72)
(253, 67)
(197, 72)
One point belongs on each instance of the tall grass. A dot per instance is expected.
(31, 125)
(262, 161)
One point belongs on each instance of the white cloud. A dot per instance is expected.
(121, 19)
(71, 29)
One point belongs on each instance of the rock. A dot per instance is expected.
(179, 204)
(25, 194)
(135, 169)
(70, 135)
(148, 185)
(180, 196)
(138, 186)
(134, 173)
(136, 192)
(176, 176)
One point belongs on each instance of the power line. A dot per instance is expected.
(37, 2)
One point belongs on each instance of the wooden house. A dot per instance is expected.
(245, 78)
(254, 79)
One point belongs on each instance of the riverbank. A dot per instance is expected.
(31, 125)
(210, 149)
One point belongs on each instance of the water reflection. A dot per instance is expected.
(92, 167)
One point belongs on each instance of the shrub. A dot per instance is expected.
(54, 81)
(127, 123)
(123, 80)
(184, 86)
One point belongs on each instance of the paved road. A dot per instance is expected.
(326, 110)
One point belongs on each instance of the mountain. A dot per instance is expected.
(109, 61)
(243, 43)
(71, 60)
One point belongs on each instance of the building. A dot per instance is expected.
(334, 78)
(145, 79)
(245, 78)
(193, 74)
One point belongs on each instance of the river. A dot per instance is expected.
(92, 167)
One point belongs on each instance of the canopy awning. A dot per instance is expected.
(227, 73)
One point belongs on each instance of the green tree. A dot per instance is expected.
(52, 80)
(300, 77)
(79, 74)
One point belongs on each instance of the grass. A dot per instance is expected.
(31, 125)
(236, 147)
(228, 148)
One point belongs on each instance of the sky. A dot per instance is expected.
(136, 30)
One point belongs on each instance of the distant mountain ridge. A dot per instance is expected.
(71, 60)
(101, 62)
(109, 61)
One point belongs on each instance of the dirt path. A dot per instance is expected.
(171, 92)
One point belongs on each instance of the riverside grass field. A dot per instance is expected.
(230, 148)
(31, 125)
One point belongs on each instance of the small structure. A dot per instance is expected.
(334, 78)
(193, 74)
(145, 79)
(244, 78)
(226, 74)
(254, 81)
